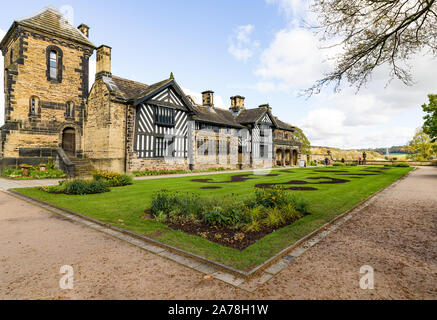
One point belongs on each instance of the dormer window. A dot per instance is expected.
(54, 64)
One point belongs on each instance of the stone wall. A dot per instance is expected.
(212, 159)
(105, 130)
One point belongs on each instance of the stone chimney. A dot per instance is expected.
(84, 29)
(266, 106)
(208, 98)
(237, 104)
(103, 67)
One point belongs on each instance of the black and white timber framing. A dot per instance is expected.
(162, 125)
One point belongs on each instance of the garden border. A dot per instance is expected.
(244, 274)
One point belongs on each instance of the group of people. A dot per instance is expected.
(361, 160)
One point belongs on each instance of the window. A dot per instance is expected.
(202, 146)
(262, 150)
(34, 108)
(53, 65)
(165, 116)
(69, 112)
(161, 148)
(11, 58)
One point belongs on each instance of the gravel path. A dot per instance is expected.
(396, 235)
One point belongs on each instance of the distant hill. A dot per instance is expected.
(393, 150)
(338, 154)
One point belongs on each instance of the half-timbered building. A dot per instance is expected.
(120, 125)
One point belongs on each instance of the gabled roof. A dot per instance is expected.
(49, 20)
(253, 116)
(136, 92)
(215, 116)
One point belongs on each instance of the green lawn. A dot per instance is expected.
(123, 207)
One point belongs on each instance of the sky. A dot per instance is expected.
(254, 48)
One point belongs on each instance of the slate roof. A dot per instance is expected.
(284, 126)
(128, 89)
(248, 116)
(215, 116)
(49, 20)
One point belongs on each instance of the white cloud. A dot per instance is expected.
(293, 9)
(241, 46)
(197, 97)
(381, 114)
(2, 96)
(294, 60)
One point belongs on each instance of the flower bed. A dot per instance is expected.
(233, 222)
(28, 172)
(113, 179)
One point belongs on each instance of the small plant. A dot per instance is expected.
(113, 179)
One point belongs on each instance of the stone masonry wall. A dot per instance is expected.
(105, 130)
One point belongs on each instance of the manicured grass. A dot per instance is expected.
(124, 207)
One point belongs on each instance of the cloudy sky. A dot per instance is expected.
(254, 48)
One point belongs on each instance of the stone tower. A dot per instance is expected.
(46, 86)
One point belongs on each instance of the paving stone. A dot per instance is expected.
(191, 263)
(298, 252)
(228, 278)
(204, 268)
(289, 258)
(277, 267)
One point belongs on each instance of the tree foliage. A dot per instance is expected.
(372, 33)
(421, 148)
(430, 125)
(301, 137)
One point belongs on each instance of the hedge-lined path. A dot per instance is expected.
(396, 235)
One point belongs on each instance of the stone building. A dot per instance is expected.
(120, 125)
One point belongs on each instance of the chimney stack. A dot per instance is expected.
(208, 98)
(266, 106)
(84, 29)
(103, 68)
(237, 104)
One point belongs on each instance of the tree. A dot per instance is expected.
(372, 33)
(430, 125)
(301, 138)
(421, 148)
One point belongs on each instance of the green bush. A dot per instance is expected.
(83, 187)
(338, 164)
(397, 165)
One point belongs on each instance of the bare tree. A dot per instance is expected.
(372, 33)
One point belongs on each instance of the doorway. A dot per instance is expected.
(69, 141)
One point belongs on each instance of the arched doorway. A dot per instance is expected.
(279, 158)
(69, 141)
(295, 155)
(288, 158)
